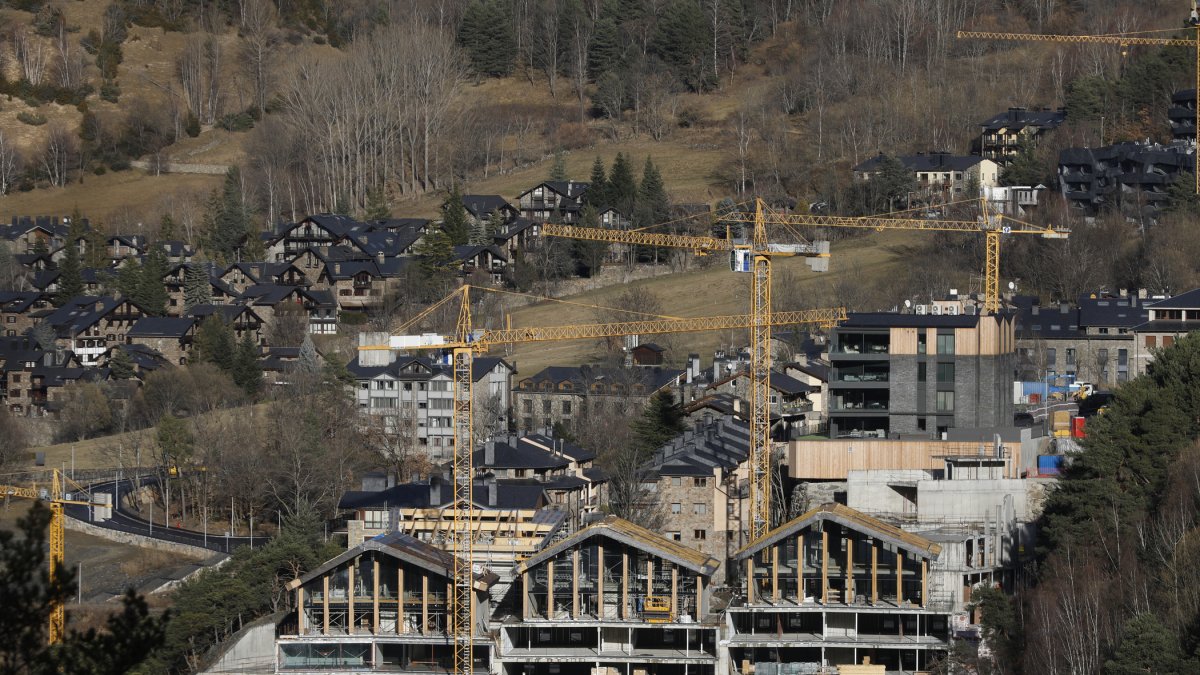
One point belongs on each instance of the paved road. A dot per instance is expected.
(124, 520)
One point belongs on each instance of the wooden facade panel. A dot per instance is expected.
(834, 460)
(903, 341)
(966, 342)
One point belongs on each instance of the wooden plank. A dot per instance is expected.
(525, 590)
(600, 570)
(924, 582)
(699, 598)
(350, 627)
(903, 341)
(775, 573)
(575, 585)
(400, 598)
(300, 610)
(550, 588)
(325, 603)
(849, 568)
(425, 602)
(899, 577)
(874, 571)
(624, 583)
(375, 595)
(825, 566)
(674, 592)
(800, 569)
(750, 579)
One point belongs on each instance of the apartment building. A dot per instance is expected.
(1003, 135)
(895, 374)
(561, 394)
(1134, 176)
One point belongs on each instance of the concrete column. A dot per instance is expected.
(825, 566)
(325, 604)
(350, 597)
(375, 595)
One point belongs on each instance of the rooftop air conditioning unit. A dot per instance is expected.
(921, 309)
(952, 310)
(935, 310)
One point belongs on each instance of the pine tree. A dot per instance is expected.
(435, 252)
(622, 186)
(479, 234)
(120, 366)
(604, 52)
(377, 204)
(129, 276)
(588, 255)
(309, 361)
(682, 41)
(196, 287)
(96, 255)
(70, 276)
(661, 421)
(214, 343)
(597, 192)
(151, 293)
(227, 222)
(486, 33)
(166, 227)
(454, 219)
(496, 224)
(247, 371)
(558, 170)
(652, 203)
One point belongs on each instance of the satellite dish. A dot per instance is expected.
(907, 304)
(1012, 286)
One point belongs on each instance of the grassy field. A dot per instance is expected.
(710, 291)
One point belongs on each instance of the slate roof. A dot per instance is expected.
(936, 161)
(405, 548)
(1015, 119)
(228, 313)
(270, 294)
(18, 301)
(892, 319)
(162, 326)
(144, 357)
(1052, 322)
(1188, 300)
(468, 251)
(633, 535)
(480, 367)
(581, 377)
(335, 224)
(81, 313)
(783, 383)
(723, 442)
(481, 206)
(510, 453)
(420, 496)
(1108, 311)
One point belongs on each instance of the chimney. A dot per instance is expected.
(489, 453)
(391, 479)
(435, 490)
(492, 489)
(379, 258)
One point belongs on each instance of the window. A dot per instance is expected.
(676, 507)
(676, 481)
(921, 342)
(674, 536)
(1151, 341)
(566, 407)
(700, 535)
(920, 372)
(1051, 356)
(699, 482)
(1102, 357)
(945, 372)
(546, 407)
(1122, 357)
(945, 401)
(16, 378)
(11, 319)
(699, 509)
(1070, 356)
(945, 344)
(920, 424)
(1168, 340)
(527, 405)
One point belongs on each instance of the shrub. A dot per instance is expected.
(109, 91)
(99, 170)
(192, 128)
(572, 136)
(32, 119)
(236, 122)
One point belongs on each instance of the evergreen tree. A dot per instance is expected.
(70, 276)
(96, 252)
(247, 371)
(129, 277)
(661, 421)
(435, 253)
(1025, 168)
(377, 204)
(588, 255)
(309, 361)
(604, 51)
(120, 366)
(166, 227)
(454, 219)
(43, 336)
(196, 287)
(622, 186)
(214, 343)
(1147, 646)
(151, 293)
(496, 224)
(479, 234)
(558, 170)
(175, 440)
(487, 35)
(597, 192)
(653, 206)
(227, 222)
(29, 593)
(682, 41)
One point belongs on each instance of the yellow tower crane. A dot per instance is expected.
(1124, 41)
(754, 258)
(461, 348)
(992, 225)
(56, 494)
